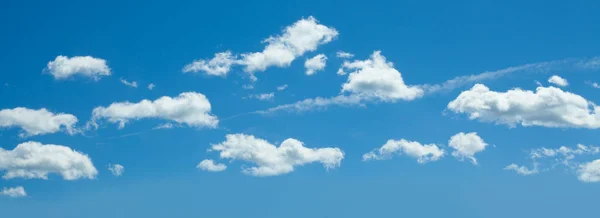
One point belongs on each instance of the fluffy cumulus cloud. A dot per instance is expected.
(37, 122)
(281, 50)
(557, 80)
(423, 153)
(116, 169)
(342, 54)
(465, 145)
(589, 172)
(64, 67)
(219, 65)
(151, 86)
(545, 159)
(35, 160)
(377, 78)
(132, 84)
(210, 165)
(16, 192)
(270, 160)
(317, 63)
(547, 106)
(189, 108)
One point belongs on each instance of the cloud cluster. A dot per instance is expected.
(37, 122)
(303, 36)
(545, 159)
(64, 67)
(547, 106)
(189, 108)
(270, 160)
(465, 145)
(373, 79)
(16, 192)
(35, 160)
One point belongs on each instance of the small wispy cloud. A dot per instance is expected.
(151, 86)
(130, 84)
(282, 87)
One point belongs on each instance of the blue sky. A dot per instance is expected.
(408, 89)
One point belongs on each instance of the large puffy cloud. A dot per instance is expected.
(64, 67)
(271, 160)
(189, 108)
(281, 50)
(36, 160)
(377, 78)
(422, 152)
(210, 165)
(16, 192)
(590, 172)
(314, 64)
(547, 106)
(465, 145)
(37, 122)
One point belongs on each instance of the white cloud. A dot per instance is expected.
(37, 122)
(553, 157)
(151, 86)
(342, 54)
(16, 192)
(263, 96)
(317, 63)
(220, 65)
(522, 170)
(548, 107)
(457, 82)
(64, 67)
(373, 79)
(465, 145)
(116, 169)
(35, 160)
(423, 153)
(210, 165)
(282, 87)
(377, 78)
(190, 108)
(303, 36)
(594, 84)
(130, 84)
(589, 172)
(270, 160)
(281, 50)
(557, 80)
(164, 126)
